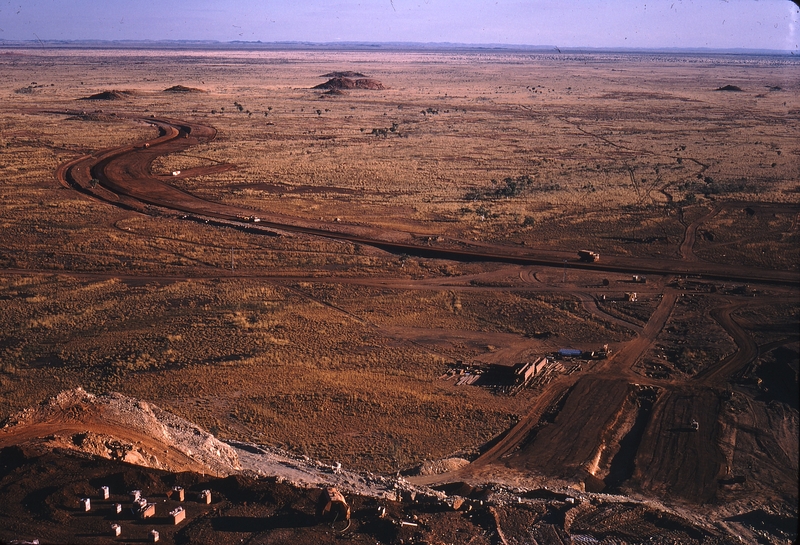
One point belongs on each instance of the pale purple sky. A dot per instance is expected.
(755, 24)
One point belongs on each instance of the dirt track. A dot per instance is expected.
(626, 358)
(169, 458)
(747, 350)
(687, 246)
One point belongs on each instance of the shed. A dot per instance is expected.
(570, 353)
(540, 365)
(146, 511)
(526, 371)
(178, 514)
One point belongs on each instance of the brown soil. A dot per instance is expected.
(673, 460)
(117, 427)
(566, 447)
(126, 172)
(449, 243)
(299, 189)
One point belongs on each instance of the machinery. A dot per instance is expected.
(588, 256)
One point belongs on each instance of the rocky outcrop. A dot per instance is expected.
(349, 83)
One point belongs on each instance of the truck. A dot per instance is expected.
(588, 256)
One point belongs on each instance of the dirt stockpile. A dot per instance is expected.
(349, 83)
(109, 95)
(733, 88)
(93, 116)
(183, 89)
(436, 467)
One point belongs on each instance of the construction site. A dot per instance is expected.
(435, 306)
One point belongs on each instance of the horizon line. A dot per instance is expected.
(395, 44)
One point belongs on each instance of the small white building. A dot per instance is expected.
(149, 510)
(178, 514)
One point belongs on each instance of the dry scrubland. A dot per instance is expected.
(247, 336)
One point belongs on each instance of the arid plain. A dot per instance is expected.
(413, 234)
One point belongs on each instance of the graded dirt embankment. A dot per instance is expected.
(568, 446)
(674, 460)
(117, 427)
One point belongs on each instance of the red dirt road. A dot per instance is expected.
(624, 360)
(747, 350)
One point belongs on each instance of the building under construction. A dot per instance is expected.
(524, 372)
